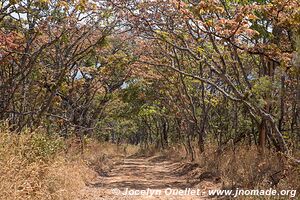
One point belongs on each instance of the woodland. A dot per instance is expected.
(204, 80)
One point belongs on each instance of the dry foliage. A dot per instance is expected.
(37, 166)
(240, 167)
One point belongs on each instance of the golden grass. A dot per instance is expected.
(37, 166)
(243, 167)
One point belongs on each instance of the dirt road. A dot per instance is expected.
(145, 178)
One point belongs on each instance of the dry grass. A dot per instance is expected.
(243, 167)
(36, 166)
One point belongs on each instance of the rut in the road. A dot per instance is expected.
(155, 173)
(143, 174)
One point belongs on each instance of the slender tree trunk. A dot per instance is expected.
(262, 136)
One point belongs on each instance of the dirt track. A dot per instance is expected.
(152, 175)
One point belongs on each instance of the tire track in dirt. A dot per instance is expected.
(140, 174)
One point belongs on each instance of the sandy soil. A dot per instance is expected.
(148, 174)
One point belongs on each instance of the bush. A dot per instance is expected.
(45, 147)
(33, 166)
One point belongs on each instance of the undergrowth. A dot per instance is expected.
(36, 166)
(243, 167)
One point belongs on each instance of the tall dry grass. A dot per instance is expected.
(38, 166)
(244, 168)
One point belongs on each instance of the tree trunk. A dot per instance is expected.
(262, 136)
